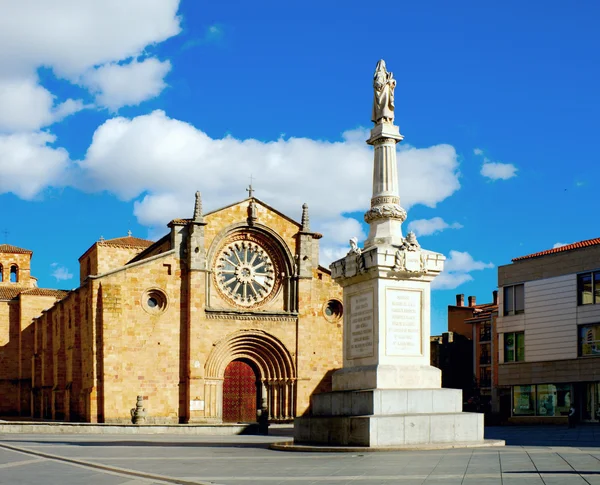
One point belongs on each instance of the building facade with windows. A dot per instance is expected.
(230, 311)
(476, 362)
(549, 333)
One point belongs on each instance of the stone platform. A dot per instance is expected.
(388, 417)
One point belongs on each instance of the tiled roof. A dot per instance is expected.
(58, 294)
(180, 221)
(568, 247)
(8, 248)
(126, 242)
(11, 292)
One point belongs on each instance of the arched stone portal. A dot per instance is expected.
(273, 363)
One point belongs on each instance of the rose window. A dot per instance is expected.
(245, 273)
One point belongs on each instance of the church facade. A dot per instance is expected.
(230, 311)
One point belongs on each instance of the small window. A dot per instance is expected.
(588, 288)
(154, 301)
(333, 310)
(1, 273)
(514, 347)
(514, 299)
(14, 274)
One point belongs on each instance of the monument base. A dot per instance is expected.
(381, 376)
(388, 417)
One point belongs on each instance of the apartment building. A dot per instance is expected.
(549, 333)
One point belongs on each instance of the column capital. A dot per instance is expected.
(385, 131)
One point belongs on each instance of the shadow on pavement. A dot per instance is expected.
(536, 435)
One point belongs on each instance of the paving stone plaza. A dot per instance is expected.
(549, 455)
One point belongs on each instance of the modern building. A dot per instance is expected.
(549, 333)
(228, 312)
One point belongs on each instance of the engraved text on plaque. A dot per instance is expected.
(360, 341)
(403, 322)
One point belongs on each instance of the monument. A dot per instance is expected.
(387, 394)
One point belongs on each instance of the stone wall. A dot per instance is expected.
(103, 345)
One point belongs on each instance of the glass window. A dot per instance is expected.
(553, 399)
(563, 399)
(508, 300)
(546, 399)
(514, 347)
(589, 340)
(514, 299)
(509, 347)
(523, 400)
(1, 274)
(520, 346)
(519, 298)
(588, 288)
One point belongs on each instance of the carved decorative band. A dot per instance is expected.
(386, 211)
(385, 141)
(385, 199)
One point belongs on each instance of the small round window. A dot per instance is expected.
(333, 310)
(154, 301)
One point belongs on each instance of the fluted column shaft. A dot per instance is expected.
(385, 216)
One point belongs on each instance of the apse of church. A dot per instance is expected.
(230, 311)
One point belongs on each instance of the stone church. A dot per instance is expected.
(228, 312)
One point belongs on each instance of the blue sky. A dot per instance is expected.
(113, 113)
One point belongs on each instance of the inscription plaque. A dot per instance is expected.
(403, 322)
(360, 341)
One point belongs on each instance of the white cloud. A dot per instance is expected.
(464, 262)
(559, 245)
(60, 272)
(28, 163)
(478, 151)
(169, 157)
(71, 39)
(426, 227)
(117, 85)
(168, 160)
(457, 270)
(449, 281)
(72, 36)
(497, 170)
(27, 106)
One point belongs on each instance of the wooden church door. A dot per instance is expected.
(239, 393)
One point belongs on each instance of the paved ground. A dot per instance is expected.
(533, 455)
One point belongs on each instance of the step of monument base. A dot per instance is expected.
(391, 430)
(387, 376)
(386, 401)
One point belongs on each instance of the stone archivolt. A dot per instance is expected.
(271, 358)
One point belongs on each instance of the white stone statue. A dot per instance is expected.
(383, 100)
(354, 249)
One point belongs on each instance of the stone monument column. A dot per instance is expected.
(387, 393)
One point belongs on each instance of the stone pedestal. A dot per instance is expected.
(387, 394)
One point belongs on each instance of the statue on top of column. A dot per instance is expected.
(383, 100)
